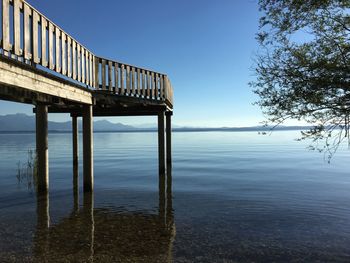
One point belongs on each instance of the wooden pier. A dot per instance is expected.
(40, 64)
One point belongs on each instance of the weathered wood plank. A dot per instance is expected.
(58, 52)
(17, 5)
(51, 28)
(43, 42)
(79, 61)
(91, 77)
(74, 55)
(96, 72)
(143, 88)
(133, 81)
(87, 69)
(82, 58)
(116, 77)
(148, 77)
(161, 92)
(156, 85)
(86, 59)
(57, 49)
(36, 20)
(103, 72)
(138, 82)
(121, 79)
(128, 80)
(69, 56)
(6, 25)
(165, 87)
(63, 53)
(27, 36)
(110, 80)
(153, 86)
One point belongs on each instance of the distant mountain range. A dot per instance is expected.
(24, 123)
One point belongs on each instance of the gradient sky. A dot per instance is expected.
(206, 47)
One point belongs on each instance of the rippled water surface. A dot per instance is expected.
(234, 197)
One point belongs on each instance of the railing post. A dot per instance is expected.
(96, 62)
(165, 86)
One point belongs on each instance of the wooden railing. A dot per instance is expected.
(126, 80)
(30, 37)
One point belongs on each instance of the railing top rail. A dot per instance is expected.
(54, 24)
(126, 64)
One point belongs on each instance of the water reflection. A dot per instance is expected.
(91, 234)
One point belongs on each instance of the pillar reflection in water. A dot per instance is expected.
(165, 197)
(88, 210)
(76, 186)
(100, 234)
(41, 239)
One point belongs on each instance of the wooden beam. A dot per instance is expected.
(17, 74)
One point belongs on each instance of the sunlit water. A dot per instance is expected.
(236, 197)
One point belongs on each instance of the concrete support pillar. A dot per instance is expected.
(168, 139)
(42, 151)
(161, 143)
(88, 165)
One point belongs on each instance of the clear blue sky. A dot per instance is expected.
(206, 47)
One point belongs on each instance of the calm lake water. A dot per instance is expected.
(236, 197)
